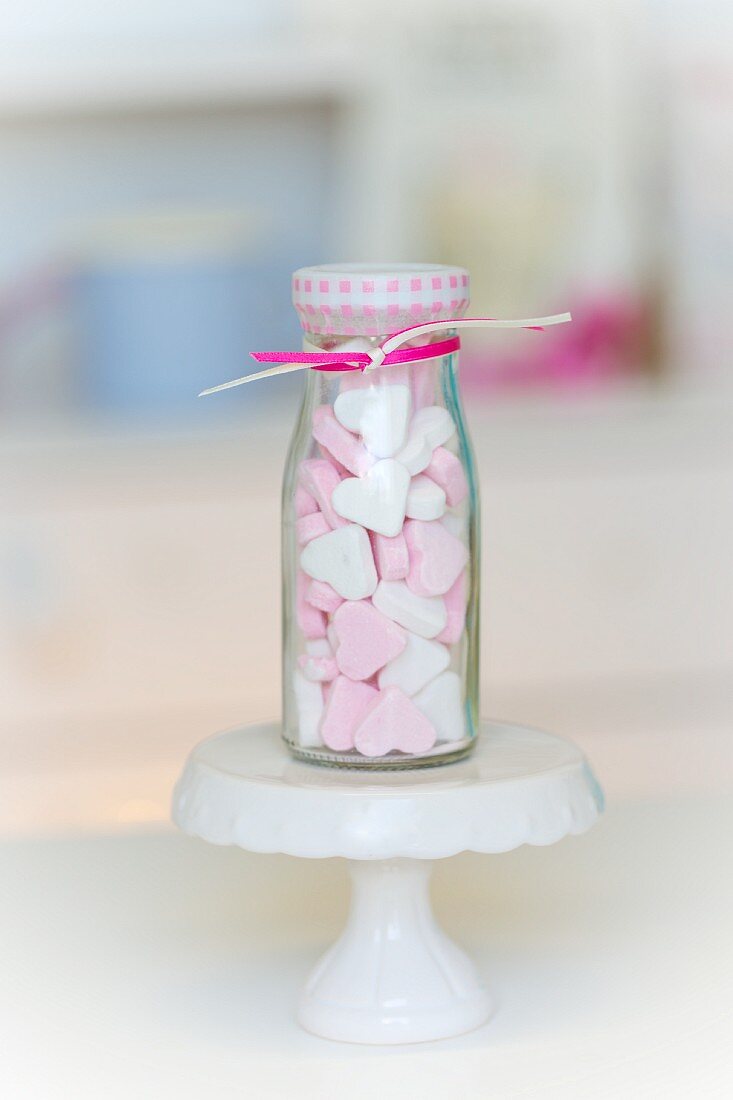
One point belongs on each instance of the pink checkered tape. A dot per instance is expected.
(398, 303)
(377, 299)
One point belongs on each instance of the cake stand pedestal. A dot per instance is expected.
(393, 976)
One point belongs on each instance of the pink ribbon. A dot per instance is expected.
(358, 360)
(387, 354)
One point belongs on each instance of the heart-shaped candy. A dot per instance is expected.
(441, 703)
(378, 499)
(346, 702)
(311, 620)
(456, 521)
(390, 557)
(342, 558)
(419, 663)
(345, 447)
(425, 499)
(379, 413)
(417, 452)
(367, 639)
(319, 478)
(446, 470)
(436, 557)
(423, 615)
(318, 669)
(310, 527)
(435, 423)
(455, 609)
(393, 722)
(309, 704)
(323, 596)
(305, 505)
(430, 428)
(318, 662)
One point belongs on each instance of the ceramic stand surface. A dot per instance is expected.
(393, 976)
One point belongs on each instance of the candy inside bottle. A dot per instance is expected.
(380, 532)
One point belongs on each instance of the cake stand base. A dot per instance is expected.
(393, 976)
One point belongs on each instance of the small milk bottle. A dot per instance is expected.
(380, 527)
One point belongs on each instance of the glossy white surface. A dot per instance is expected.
(393, 976)
(518, 786)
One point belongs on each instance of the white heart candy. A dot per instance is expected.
(416, 453)
(425, 499)
(377, 500)
(343, 558)
(309, 701)
(428, 425)
(435, 423)
(456, 523)
(419, 663)
(379, 414)
(317, 663)
(423, 615)
(441, 703)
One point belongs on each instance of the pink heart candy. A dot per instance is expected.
(436, 557)
(348, 451)
(310, 527)
(367, 639)
(455, 606)
(304, 503)
(311, 621)
(320, 594)
(326, 454)
(447, 471)
(346, 702)
(319, 478)
(393, 722)
(390, 556)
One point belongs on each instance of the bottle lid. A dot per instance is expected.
(377, 299)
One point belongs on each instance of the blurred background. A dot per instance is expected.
(164, 169)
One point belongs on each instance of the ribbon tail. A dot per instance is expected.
(280, 368)
(531, 322)
(537, 323)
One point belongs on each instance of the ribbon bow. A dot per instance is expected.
(387, 354)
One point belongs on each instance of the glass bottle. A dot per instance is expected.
(380, 548)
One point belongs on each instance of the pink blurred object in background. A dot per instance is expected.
(603, 343)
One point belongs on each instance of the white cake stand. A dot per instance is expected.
(393, 976)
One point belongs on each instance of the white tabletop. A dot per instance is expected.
(156, 966)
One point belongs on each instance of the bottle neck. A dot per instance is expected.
(330, 343)
(431, 381)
